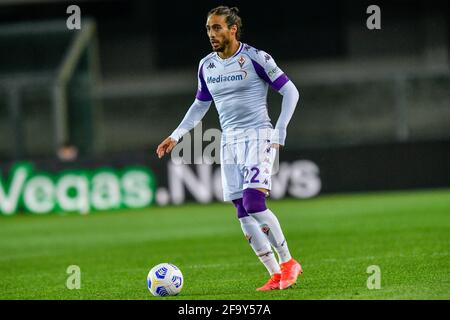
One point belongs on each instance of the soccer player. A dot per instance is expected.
(236, 77)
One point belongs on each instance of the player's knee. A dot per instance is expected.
(254, 201)
(240, 210)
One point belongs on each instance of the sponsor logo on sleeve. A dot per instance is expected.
(273, 72)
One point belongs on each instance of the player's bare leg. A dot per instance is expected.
(254, 203)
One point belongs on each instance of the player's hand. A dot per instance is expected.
(276, 146)
(165, 147)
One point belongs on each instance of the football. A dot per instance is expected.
(165, 279)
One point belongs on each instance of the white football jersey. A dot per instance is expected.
(238, 86)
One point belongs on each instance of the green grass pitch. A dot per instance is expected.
(335, 237)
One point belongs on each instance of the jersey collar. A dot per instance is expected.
(241, 45)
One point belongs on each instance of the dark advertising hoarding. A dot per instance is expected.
(139, 179)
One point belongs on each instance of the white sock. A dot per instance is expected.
(270, 226)
(260, 244)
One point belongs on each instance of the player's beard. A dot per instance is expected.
(222, 47)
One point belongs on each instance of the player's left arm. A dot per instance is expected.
(290, 98)
(268, 70)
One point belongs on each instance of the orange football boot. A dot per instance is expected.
(290, 270)
(272, 284)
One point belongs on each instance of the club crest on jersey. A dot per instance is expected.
(265, 228)
(241, 61)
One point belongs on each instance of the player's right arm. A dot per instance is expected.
(195, 114)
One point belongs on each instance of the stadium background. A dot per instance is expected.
(373, 113)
